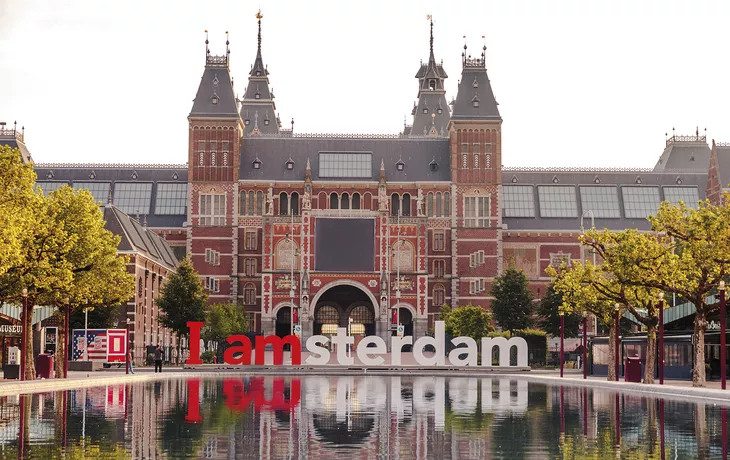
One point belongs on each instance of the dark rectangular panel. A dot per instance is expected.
(344, 245)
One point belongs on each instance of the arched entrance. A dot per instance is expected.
(405, 317)
(283, 322)
(343, 305)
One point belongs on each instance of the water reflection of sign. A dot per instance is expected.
(9, 329)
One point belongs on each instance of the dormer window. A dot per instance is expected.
(400, 166)
(433, 166)
(257, 96)
(258, 73)
(290, 164)
(214, 99)
(475, 103)
(266, 122)
(256, 164)
(247, 122)
(425, 110)
(432, 84)
(439, 110)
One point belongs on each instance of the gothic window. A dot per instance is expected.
(295, 203)
(259, 203)
(438, 204)
(355, 201)
(242, 203)
(432, 84)
(345, 201)
(249, 294)
(251, 203)
(402, 256)
(212, 210)
(447, 204)
(286, 255)
(334, 199)
(283, 204)
(429, 204)
(439, 295)
(394, 205)
(406, 204)
(438, 268)
(439, 241)
(476, 211)
(250, 267)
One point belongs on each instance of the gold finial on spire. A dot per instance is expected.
(259, 15)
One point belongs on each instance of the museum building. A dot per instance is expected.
(367, 231)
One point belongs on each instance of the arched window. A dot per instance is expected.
(322, 200)
(286, 254)
(242, 204)
(334, 201)
(295, 203)
(438, 205)
(345, 201)
(362, 314)
(429, 204)
(251, 204)
(249, 294)
(327, 314)
(447, 204)
(439, 295)
(283, 204)
(402, 256)
(394, 205)
(355, 201)
(406, 204)
(367, 202)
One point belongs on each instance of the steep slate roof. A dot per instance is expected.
(215, 97)
(526, 176)
(685, 153)
(137, 238)
(431, 113)
(723, 164)
(258, 110)
(111, 173)
(416, 153)
(15, 139)
(474, 86)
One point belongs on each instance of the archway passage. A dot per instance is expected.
(341, 306)
(405, 317)
(283, 322)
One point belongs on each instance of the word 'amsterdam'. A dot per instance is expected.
(368, 350)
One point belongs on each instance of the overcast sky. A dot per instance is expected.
(579, 83)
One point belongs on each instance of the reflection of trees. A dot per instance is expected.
(352, 431)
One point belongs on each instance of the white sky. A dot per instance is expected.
(580, 83)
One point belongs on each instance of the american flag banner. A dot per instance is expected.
(97, 343)
(116, 398)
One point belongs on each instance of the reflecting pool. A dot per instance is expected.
(356, 416)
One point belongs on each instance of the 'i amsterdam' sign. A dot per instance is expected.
(370, 350)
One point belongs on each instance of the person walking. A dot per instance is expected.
(158, 359)
(130, 366)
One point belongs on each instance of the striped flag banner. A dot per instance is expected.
(97, 344)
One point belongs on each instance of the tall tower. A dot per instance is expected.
(215, 131)
(431, 112)
(258, 110)
(476, 174)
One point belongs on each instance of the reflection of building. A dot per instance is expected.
(432, 203)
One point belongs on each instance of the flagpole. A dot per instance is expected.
(86, 334)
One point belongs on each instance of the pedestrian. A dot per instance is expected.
(130, 366)
(158, 359)
(578, 359)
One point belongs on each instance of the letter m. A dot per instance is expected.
(277, 344)
(504, 346)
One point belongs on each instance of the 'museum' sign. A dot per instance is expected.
(369, 351)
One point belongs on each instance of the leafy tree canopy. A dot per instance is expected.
(549, 313)
(466, 321)
(224, 320)
(512, 305)
(182, 299)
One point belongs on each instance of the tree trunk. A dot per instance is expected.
(650, 353)
(61, 348)
(28, 334)
(612, 377)
(698, 339)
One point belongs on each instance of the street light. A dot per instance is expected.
(66, 302)
(723, 350)
(593, 251)
(22, 333)
(585, 345)
(618, 344)
(562, 339)
(661, 338)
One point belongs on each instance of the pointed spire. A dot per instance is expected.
(228, 52)
(258, 69)
(308, 172)
(382, 168)
(207, 50)
(431, 58)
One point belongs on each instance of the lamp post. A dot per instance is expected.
(562, 339)
(22, 333)
(661, 338)
(66, 341)
(127, 352)
(585, 345)
(395, 314)
(617, 326)
(723, 345)
(582, 232)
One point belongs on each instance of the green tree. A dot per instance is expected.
(68, 258)
(549, 312)
(222, 321)
(182, 299)
(512, 305)
(467, 321)
(102, 317)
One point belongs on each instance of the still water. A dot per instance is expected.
(356, 417)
